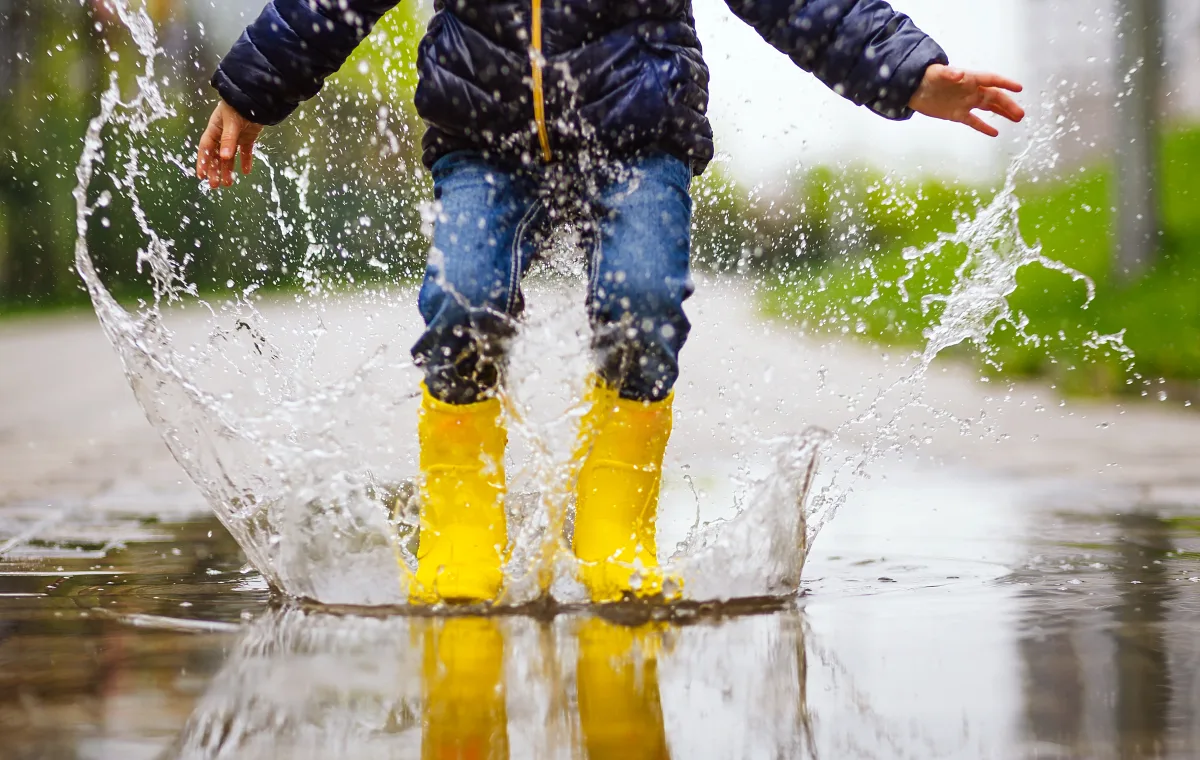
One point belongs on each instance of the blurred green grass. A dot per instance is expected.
(1072, 219)
(367, 181)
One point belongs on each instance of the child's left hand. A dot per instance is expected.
(953, 94)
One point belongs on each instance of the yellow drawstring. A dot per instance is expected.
(539, 100)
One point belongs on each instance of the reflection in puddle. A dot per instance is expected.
(925, 644)
(463, 711)
(303, 683)
(1109, 641)
(620, 710)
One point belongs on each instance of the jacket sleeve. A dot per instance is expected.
(283, 58)
(861, 49)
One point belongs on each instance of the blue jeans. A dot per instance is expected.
(634, 219)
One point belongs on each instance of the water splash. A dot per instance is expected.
(295, 416)
(310, 468)
(970, 312)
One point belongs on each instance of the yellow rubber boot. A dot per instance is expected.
(463, 541)
(464, 715)
(622, 443)
(620, 711)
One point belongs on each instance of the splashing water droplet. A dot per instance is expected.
(295, 414)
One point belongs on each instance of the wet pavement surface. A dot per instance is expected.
(1032, 601)
(1049, 631)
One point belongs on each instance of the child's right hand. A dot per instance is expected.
(227, 133)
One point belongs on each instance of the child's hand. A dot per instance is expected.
(227, 132)
(952, 94)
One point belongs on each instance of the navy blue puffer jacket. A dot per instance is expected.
(525, 80)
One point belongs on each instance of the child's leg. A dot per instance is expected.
(472, 283)
(639, 280)
(640, 277)
(470, 294)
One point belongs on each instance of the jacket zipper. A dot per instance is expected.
(539, 99)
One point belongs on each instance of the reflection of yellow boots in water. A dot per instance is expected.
(464, 715)
(462, 544)
(617, 498)
(619, 706)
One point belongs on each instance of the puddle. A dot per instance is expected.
(1018, 623)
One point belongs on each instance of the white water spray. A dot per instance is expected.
(296, 420)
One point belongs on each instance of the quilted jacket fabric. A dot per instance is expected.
(617, 75)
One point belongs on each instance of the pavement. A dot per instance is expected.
(71, 430)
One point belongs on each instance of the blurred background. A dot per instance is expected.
(811, 197)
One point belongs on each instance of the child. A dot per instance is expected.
(578, 111)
